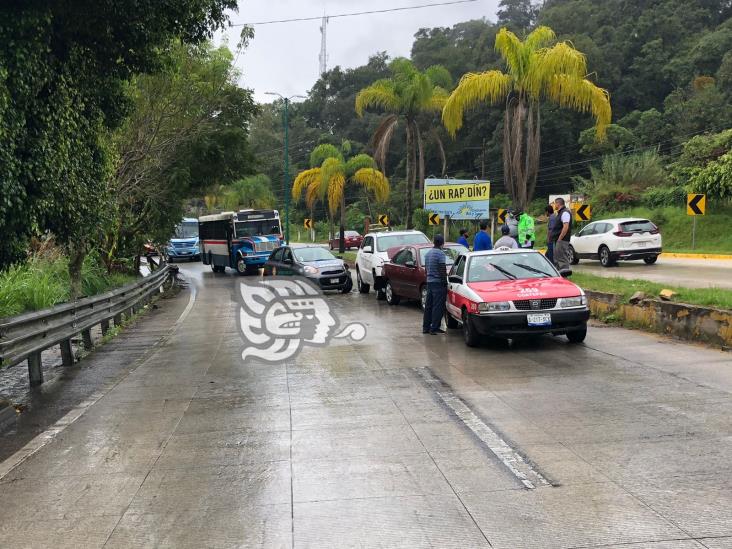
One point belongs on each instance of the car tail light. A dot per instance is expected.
(655, 230)
(622, 233)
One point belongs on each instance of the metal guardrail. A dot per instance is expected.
(26, 336)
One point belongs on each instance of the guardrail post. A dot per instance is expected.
(105, 327)
(87, 339)
(67, 356)
(35, 373)
(118, 319)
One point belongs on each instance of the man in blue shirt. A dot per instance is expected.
(435, 264)
(482, 240)
(464, 238)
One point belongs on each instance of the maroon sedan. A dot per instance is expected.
(405, 274)
(352, 238)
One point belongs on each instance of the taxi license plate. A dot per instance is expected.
(334, 281)
(543, 319)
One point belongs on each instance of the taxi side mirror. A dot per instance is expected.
(455, 279)
(566, 273)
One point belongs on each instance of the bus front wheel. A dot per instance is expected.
(241, 266)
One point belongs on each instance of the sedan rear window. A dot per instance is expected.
(639, 226)
(386, 242)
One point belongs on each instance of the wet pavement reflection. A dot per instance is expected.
(353, 445)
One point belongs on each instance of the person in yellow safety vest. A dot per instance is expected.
(526, 236)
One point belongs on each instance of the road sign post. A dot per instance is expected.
(696, 204)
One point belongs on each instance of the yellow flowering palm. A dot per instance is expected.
(328, 176)
(535, 73)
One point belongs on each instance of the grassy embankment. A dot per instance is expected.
(41, 283)
(706, 297)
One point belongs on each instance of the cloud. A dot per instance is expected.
(284, 57)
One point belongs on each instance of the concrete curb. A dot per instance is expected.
(689, 322)
(680, 255)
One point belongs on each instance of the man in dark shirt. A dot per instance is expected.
(436, 269)
(482, 240)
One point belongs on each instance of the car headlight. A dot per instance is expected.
(494, 307)
(310, 270)
(567, 302)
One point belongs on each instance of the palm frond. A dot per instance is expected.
(539, 37)
(323, 151)
(381, 95)
(312, 193)
(562, 58)
(382, 138)
(439, 76)
(374, 181)
(491, 86)
(437, 100)
(336, 186)
(303, 181)
(357, 162)
(511, 49)
(583, 96)
(330, 168)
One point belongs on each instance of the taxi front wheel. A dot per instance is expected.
(469, 333)
(577, 336)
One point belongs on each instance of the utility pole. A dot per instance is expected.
(286, 158)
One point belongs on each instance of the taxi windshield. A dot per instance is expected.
(509, 266)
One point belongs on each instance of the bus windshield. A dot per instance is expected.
(186, 230)
(257, 227)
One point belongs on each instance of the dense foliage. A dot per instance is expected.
(667, 65)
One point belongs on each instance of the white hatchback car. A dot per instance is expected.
(372, 255)
(611, 240)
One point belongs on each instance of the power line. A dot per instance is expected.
(353, 14)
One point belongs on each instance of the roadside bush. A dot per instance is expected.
(41, 283)
(655, 197)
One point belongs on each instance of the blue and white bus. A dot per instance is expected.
(241, 240)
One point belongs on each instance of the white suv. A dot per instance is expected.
(372, 255)
(611, 240)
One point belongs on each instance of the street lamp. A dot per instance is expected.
(288, 191)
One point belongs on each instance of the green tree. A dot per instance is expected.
(404, 96)
(187, 132)
(536, 73)
(329, 174)
(63, 69)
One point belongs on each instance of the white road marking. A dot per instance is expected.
(39, 441)
(529, 477)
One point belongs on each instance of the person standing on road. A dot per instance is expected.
(464, 238)
(434, 307)
(526, 235)
(482, 240)
(551, 223)
(506, 241)
(561, 236)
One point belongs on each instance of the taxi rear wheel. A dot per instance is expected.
(469, 334)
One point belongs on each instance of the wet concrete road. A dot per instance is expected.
(400, 440)
(689, 273)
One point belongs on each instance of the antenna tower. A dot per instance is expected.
(323, 57)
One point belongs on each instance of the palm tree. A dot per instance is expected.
(407, 94)
(328, 176)
(535, 73)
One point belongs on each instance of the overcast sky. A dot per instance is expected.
(283, 57)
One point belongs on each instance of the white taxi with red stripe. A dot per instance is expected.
(513, 293)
